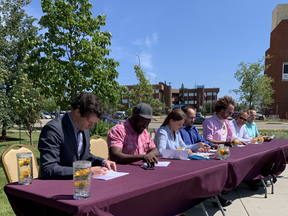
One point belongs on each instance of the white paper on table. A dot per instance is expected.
(110, 175)
(175, 154)
(160, 164)
(203, 153)
(213, 150)
(241, 145)
(272, 136)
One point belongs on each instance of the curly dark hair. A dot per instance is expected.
(223, 103)
(88, 104)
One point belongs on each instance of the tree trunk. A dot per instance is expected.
(30, 134)
(4, 133)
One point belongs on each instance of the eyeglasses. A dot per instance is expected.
(191, 118)
(242, 118)
(229, 113)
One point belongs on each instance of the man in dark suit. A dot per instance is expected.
(66, 139)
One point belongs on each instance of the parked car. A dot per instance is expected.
(260, 116)
(120, 115)
(49, 114)
(108, 119)
(44, 116)
(234, 114)
(199, 119)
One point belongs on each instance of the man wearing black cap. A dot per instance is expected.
(129, 141)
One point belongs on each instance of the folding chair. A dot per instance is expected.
(9, 161)
(98, 147)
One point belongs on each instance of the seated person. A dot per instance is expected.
(217, 128)
(66, 139)
(191, 135)
(238, 128)
(252, 128)
(129, 141)
(168, 135)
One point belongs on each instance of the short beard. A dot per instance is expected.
(135, 127)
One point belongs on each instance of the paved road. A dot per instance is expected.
(262, 125)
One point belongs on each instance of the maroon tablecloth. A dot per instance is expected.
(256, 161)
(163, 191)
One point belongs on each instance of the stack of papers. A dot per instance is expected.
(111, 175)
(175, 154)
(160, 164)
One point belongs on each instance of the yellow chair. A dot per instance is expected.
(9, 161)
(98, 147)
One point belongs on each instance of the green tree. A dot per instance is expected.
(142, 92)
(26, 103)
(49, 105)
(255, 85)
(73, 54)
(16, 27)
(181, 95)
(265, 98)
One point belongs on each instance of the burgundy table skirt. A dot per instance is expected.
(256, 161)
(163, 191)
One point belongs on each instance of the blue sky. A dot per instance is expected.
(185, 41)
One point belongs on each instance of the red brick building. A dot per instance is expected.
(278, 68)
(196, 97)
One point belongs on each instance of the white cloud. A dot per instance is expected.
(152, 75)
(146, 60)
(137, 42)
(149, 40)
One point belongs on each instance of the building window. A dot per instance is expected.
(215, 93)
(195, 102)
(156, 91)
(209, 93)
(124, 101)
(185, 94)
(130, 92)
(285, 71)
(191, 102)
(191, 94)
(195, 94)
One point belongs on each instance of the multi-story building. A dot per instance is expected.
(278, 64)
(195, 97)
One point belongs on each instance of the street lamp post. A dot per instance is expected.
(138, 59)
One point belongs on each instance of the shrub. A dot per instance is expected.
(101, 128)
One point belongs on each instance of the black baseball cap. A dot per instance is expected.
(144, 110)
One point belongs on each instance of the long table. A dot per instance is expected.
(163, 191)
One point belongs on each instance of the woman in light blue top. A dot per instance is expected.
(168, 135)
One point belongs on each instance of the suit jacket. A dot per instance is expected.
(58, 149)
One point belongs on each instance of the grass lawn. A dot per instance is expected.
(5, 208)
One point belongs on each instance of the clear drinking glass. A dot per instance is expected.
(82, 179)
(224, 153)
(234, 142)
(260, 140)
(25, 168)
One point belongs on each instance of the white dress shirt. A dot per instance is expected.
(239, 132)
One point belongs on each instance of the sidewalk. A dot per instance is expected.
(250, 203)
